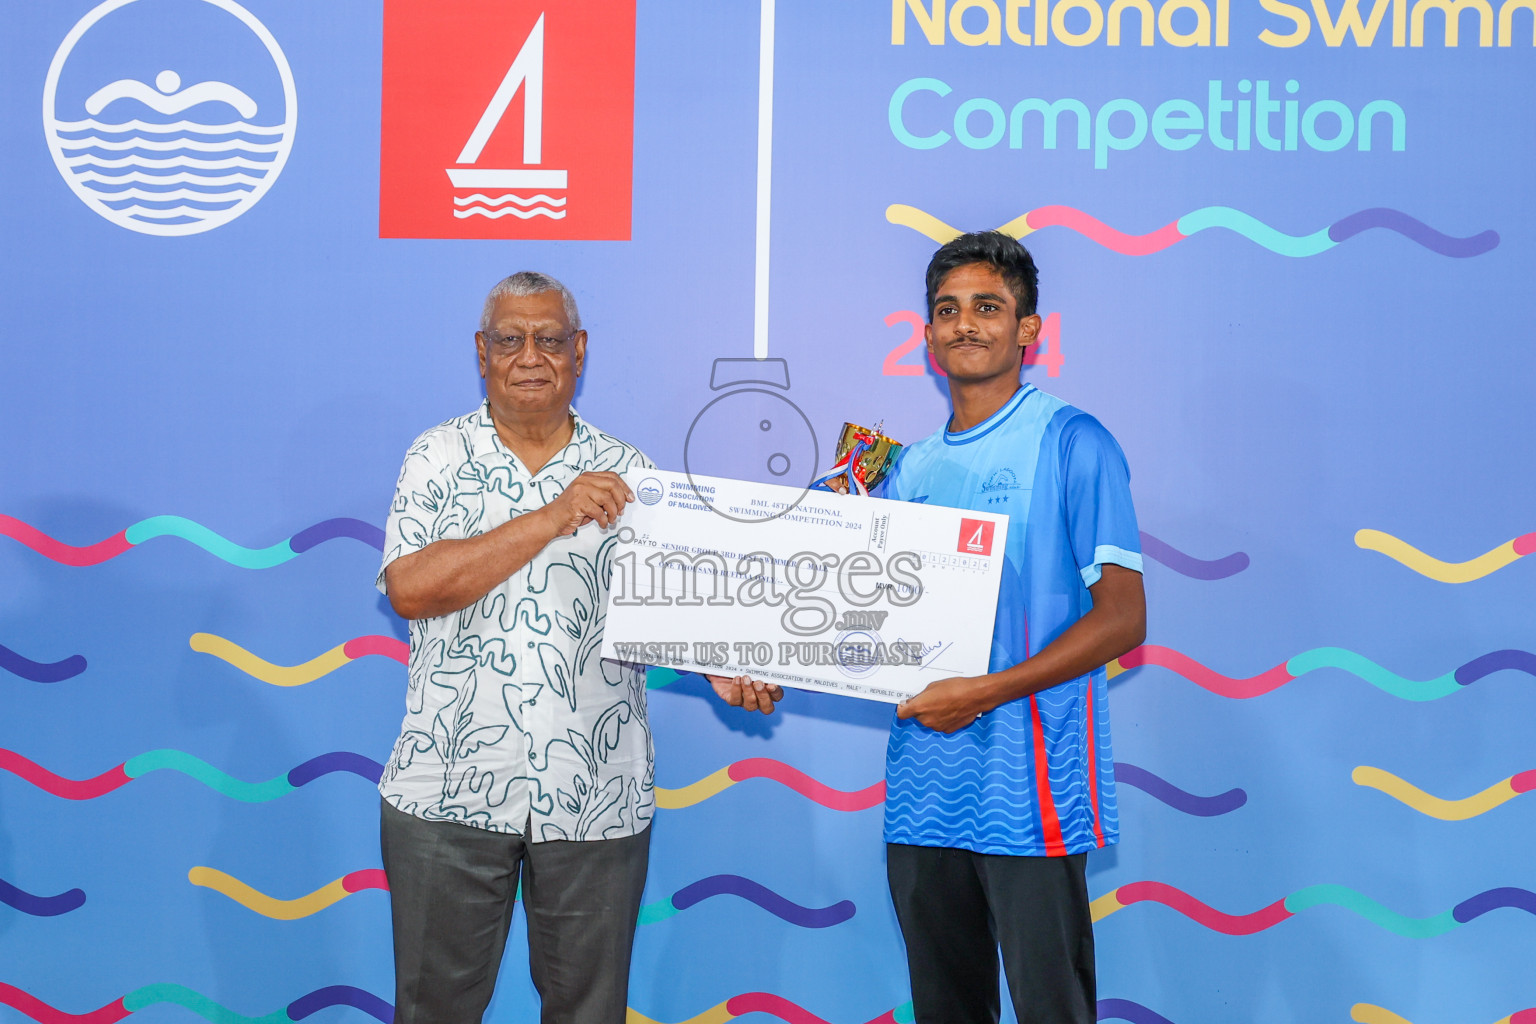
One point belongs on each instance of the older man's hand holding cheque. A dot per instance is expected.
(818, 590)
(601, 498)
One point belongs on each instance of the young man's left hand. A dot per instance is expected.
(946, 704)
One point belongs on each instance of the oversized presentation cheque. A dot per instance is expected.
(823, 591)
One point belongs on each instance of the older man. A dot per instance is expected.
(522, 750)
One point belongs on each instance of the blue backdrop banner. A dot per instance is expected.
(1282, 249)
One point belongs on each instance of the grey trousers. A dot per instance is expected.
(957, 908)
(452, 890)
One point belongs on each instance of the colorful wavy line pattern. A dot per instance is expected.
(304, 672)
(858, 800)
(1124, 1009)
(40, 906)
(1324, 657)
(193, 533)
(180, 995)
(1189, 565)
(1313, 896)
(790, 1013)
(382, 1011)
(656, 678)
(773, 1005)
(41, 671)
(1369, 1013)
(288, 910)
(752, 892)
(1447, 572)
(1500, 792)
(1204, 219)
(194, 767)
(767, 768)
(1161, 789)
(374, 878)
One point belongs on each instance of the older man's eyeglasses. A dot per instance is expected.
(512, 344)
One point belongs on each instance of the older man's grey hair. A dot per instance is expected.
(530, 282)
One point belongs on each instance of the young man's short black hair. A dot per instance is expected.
(1003, 253)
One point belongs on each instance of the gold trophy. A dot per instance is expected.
(864, 457)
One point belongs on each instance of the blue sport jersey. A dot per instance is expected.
(1035, 776)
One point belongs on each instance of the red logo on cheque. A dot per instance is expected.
(975, 537)
(507, 119)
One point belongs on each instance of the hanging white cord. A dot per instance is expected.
(764, 179)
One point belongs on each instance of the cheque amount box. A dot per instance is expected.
(845, 594)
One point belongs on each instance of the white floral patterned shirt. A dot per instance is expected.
(512, 717)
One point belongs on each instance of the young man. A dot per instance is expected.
(998, 785)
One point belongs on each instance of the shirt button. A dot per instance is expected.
(530, 644)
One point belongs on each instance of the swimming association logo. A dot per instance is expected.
(649, 491)
(507, 119)
(167, 118)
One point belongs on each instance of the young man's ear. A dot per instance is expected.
(1029, 330)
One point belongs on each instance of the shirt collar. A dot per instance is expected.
(484, 442)
(992, 422)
